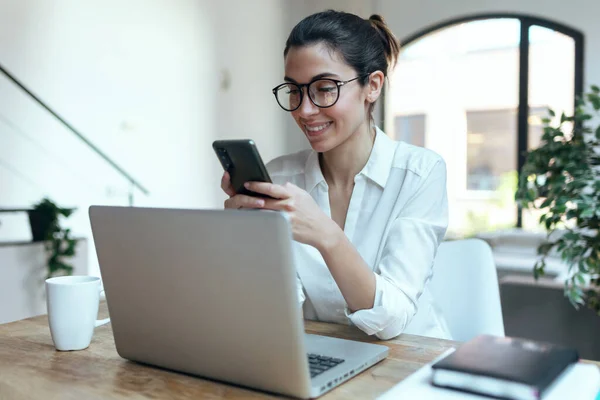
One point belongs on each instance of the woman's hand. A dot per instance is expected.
(310, 225)
(238, 200)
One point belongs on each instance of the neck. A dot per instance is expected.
(342, 164)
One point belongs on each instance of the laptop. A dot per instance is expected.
(212, 293)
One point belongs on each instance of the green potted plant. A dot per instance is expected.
(45, 226)
(561, 178)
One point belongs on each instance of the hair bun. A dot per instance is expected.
(391, 43)
(376, 18)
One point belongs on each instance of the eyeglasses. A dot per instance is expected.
(323, 93)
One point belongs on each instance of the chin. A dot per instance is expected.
(322, 145)
(323, 141)
(319, 147)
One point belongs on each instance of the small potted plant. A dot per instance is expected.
(45, 226)
(562, 179)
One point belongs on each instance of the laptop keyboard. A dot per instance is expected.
(319, 364)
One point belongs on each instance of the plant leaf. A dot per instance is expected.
(563, 117)
(572, 236)
(546, 203)
(587, 213)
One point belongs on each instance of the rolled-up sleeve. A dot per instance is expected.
(406, 261)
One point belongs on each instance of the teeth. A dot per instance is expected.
(317, 128)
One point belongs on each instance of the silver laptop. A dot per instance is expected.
(213, 293)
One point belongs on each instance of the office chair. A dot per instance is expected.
(465, 288)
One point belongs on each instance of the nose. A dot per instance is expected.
(307, 107)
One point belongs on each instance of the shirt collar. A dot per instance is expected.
(312, 171)
(377, 168)
(380, 161)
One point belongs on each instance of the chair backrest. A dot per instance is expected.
(465, 288)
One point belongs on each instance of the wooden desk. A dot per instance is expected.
(30, 368)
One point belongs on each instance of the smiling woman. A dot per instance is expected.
(367, 213)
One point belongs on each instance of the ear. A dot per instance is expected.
(374, 86)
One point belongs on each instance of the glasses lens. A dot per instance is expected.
(323, 92)
(289, 96)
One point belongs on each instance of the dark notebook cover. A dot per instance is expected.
(532, 363)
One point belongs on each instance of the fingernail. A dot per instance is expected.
(246, 185)
(260, 202)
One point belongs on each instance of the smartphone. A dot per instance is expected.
(243, 162)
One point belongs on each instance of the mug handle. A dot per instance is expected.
(100, 322)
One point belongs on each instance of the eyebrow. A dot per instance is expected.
(319, 76)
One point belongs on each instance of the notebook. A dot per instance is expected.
(503, 367)
(579, 381)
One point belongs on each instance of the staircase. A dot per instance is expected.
(42, 154)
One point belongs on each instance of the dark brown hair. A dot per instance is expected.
(367, 45)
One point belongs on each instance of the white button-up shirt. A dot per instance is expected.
(398, 215)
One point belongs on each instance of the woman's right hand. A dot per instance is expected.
(238, 200)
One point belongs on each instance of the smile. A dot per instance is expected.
(316, 129)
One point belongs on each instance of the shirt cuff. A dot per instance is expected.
(388, 317)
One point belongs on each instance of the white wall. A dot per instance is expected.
(250, 37)
(129, 75)
(141, 79)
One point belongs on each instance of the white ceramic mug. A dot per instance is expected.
(72, 303)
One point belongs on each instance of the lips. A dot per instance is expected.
(316, 129)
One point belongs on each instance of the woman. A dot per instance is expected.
(367, 213)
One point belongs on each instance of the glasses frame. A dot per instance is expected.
(301, 87)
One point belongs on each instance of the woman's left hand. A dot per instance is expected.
(310, 225)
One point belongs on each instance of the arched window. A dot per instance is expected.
(474, 90)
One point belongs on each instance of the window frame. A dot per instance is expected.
(526, 22)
